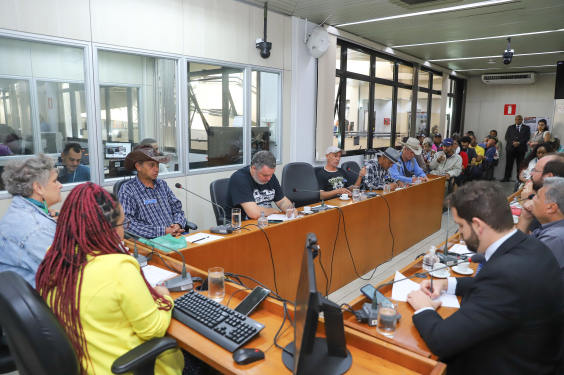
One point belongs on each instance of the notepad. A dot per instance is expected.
(402, 289)
(201, 238)
(459, 249)
(156, 275)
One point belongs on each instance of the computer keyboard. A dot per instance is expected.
(216, 322)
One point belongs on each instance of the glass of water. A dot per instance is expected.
(387, 189)
(216, 284)
(387, 317)
(236, 218)
(356, 193)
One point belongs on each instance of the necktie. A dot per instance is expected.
(480, 265)
(518, 129)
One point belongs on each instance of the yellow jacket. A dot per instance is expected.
(118, 314)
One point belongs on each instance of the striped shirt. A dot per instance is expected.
(150, 210)
(376, 176)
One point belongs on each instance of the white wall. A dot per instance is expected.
(485, 103)
(215, 29)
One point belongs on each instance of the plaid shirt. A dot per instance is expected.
(150, 210)
(376, 176)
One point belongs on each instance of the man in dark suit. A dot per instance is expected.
(517, 136)
(511, 320)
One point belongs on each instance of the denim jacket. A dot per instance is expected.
(26, 233)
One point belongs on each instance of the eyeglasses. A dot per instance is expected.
(536, 171)
(125, 224)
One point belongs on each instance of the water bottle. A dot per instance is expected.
(430, 259)
(262, 220)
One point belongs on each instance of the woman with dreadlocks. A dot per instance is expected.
(96, 289)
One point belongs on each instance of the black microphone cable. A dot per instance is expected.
(271, 256)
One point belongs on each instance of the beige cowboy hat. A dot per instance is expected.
(413, 145)
(143, 153)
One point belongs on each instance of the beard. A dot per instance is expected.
(472, 242)
(537, 185)
(257, 179)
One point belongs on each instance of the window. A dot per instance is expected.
(429, 102)
(383, 100)
(423, 79)
(43, 104)
(405, 74)
(356, 115)
(265, 116)
(137, 105)
(384, 69)
(403, 117)
(358, 62)
(215, 116)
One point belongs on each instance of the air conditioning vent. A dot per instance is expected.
(509, 78)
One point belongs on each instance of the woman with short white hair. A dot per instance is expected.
(28, 227)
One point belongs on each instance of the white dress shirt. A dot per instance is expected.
(452, 281)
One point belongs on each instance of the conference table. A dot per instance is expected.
(354, 238)
(371, 355)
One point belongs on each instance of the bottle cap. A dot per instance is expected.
(432, 250)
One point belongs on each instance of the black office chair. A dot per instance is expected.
(7, 363)
(317, 169)
(300, 176)
(351, 176)
(218, 193)
(40, 345)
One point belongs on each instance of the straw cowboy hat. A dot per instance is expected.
(143, 153)
(413, 145)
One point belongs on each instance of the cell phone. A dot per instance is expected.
(252, 300)
(368, 290)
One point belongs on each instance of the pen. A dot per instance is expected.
(199, 239)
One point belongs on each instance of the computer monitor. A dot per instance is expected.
(117, 150)
(309, 354)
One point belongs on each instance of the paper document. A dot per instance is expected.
(156, 275)
(327, 205)
(279, 217)
(459, 249)
(402, 289)
(200, 238)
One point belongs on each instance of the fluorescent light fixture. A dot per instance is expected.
(433, 11)
(467, 70)
(491, 57)
(532, 66)
(485, 38)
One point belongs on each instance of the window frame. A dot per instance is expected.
(430, 91)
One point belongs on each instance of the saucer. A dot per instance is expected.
(440, 276)
(470, 271)
(344, 199)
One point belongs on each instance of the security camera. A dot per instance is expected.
(264, 48)
(508, 54)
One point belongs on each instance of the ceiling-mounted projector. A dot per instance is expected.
(318, 42)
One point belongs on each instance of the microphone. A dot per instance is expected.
(323, 207)
(142, 260)
(531, 196)
(370, 194)
(220, 229)
(371, 309)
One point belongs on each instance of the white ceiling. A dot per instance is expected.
(514, 17)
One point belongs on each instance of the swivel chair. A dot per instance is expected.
(218, 194)
(351, 175)
(300, 176)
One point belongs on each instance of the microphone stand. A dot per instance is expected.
(445, 257)
(370, 194)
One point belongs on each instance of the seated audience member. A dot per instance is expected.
(542, 134)
(556, 145)
(155, 145)
(73, 171)
(471, 172)
(437, 142)
(419, 158)
(427, 152)
(527, 165)
(469, 133)
(547, 207)
(511, 319)
(407, 170)
(332, 180)
(456, 138)
(378, 171)
(28, 227)
(447, 162)
(479, 150)
(149, 204)
(490, 152)
(459, 180)
(100, 296)
(255, 188)
(498, 144)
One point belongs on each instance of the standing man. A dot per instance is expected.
(511, 318)
(378, 171)
(407, 170)
(332, 180)
(516, 136)
(73, 171)
(148, 203)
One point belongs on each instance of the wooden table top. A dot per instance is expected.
(370, 354)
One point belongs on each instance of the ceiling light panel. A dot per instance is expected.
(493, 57)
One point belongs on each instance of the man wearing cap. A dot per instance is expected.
(437, 142)
(407, 170)
(378, 171)
(332, 180)
(447, 162)
(155, 145)
(148, 203)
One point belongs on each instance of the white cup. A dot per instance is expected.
(345, 196)
(463, 267)
(307, 209)
(439, 269)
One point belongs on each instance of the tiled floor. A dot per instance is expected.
(352, 290)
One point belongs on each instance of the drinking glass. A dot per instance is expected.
(291, 213)
(387, 317)
(387, 189)
(236, 218)
(216, 284)
(356, 193)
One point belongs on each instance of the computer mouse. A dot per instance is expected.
(246, 356)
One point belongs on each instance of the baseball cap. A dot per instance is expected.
(448, 142)
(332, 150)
(437, 135)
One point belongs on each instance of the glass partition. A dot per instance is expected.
(403, 117)
(265, 121)
(383, 115)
